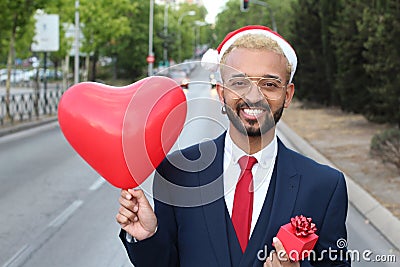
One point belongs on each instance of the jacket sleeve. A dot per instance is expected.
(161, 248)
(330, 250)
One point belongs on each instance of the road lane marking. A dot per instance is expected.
(97, 184)
(18, 257)
(60, 219)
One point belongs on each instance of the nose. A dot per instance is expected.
(254, 94)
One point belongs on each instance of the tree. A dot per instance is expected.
(348, 43)
(232, 17)
(381, 22)
(17, 20)
(103, 22)
(310, 78)
(328, 10)
(132, 47)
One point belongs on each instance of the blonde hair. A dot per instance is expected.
(259, 42)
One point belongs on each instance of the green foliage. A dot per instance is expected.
(17, 25)
(232, 18)
(382, 55)
(310, 80)
(135, 43)
(349, 48)
(349, 54)
(386, 146)
(313, 43)
(132, 47)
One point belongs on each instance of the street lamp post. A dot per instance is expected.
(197, 39)
(165, 50)
(77, 31)
(189, 13)
(151, 54)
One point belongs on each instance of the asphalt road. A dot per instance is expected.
(56, 211)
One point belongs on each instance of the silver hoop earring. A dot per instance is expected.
(223, 109)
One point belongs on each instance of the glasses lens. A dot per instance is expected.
(271, 88)
(239, 85)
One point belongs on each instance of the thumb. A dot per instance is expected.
(280, 250)
(139, 195)
(141, 201)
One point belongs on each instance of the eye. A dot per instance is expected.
(239, 82)
(268, 83)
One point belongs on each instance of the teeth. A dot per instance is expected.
(252, 112)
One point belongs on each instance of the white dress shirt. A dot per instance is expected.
(262, 172)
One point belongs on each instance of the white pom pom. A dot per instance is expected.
(210, 60)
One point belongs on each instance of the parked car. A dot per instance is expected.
(17, 76)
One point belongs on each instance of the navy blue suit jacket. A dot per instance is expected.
(194, 227)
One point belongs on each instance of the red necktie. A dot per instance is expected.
(243, 203)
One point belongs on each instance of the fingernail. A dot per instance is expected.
(275, 239)
(128, 196)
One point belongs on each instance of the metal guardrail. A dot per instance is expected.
(25, 106)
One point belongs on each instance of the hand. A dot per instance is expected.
(279, 258)
(135, 215)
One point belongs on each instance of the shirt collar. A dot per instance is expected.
(264, 156)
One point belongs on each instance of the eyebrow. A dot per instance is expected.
(264, 76)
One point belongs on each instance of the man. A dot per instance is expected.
(222, 202)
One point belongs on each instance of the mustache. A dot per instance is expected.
(259, 105)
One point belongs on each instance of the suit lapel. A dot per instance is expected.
(212, 194)
(287, 187)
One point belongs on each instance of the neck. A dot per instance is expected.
(250, 144)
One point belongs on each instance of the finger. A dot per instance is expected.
(126, 194)
(267, 262)
(129, 204)
(280, 250)
(139, 196)
(122, 220)
(127, 213)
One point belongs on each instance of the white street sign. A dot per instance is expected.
(47, 38)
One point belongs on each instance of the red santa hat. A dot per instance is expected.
(213, 57)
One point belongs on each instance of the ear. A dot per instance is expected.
(289, 94)
(220, 92)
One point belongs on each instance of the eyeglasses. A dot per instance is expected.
(271, 88)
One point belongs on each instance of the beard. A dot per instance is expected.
(252, 130)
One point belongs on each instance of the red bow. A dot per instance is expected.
(303, 226)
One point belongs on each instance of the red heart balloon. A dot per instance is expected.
(123, 132)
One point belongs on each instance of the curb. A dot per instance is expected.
(5, 130)
(380, 217)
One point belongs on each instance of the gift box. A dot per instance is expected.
(298, 237)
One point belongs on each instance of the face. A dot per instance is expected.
(252, 114)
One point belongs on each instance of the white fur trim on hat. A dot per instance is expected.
(210, 60)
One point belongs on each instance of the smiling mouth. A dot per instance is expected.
(252, 113)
